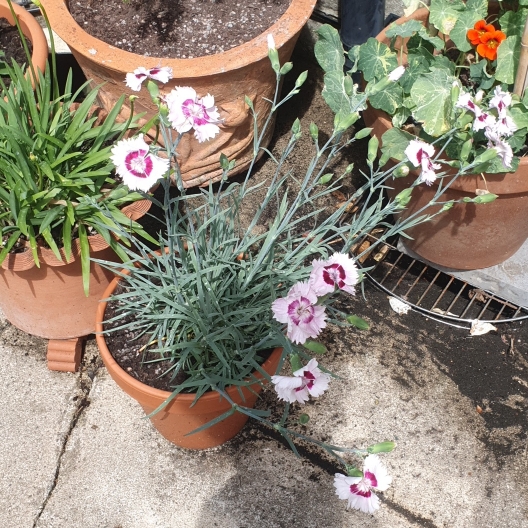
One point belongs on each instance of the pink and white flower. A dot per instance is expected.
(161, 74)
(338, 271)
(358, 490)
(419, 154)
(139, 168)
(466, 101)
(505, 126)
(187, 111)
(483, 121)
(135, 79)
(298, 309)
(504, 151)
(501, 100)
(305, 382)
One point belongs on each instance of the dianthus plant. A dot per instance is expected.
(227, 288)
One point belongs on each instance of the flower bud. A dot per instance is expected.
(381, 447)
(395, 75)
(447, 206)
(353, 471)
(314, 131)
(301, 79)
(286, 68)
(401, 171)
(485, 198)
(404, 197)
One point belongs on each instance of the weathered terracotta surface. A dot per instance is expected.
(469, 236)
(49, 301)
(179, 418)
(228, 76)
(31, 29)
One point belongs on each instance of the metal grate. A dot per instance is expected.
(432, 292)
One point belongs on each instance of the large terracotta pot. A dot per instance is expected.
(49, 301)
(229, 76)
(32, 30)
(469, 236)
(180, 417)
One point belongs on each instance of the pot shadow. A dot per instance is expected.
(271, 487)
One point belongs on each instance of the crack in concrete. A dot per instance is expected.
(88, 370)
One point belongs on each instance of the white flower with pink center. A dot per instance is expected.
(188, 111)
(419, 154)
(135, 79)
(139, 168)
(466, 101)
(504, 126)
(501, 100)
(504, 151)
(161, 74)
(483, 120)
(358, 490)
(298, 309)
(338, 271)
(305, 382)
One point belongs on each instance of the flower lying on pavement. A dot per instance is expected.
(139, 168)
(135, 79)
(187, 111)
(299, 310)
(358, 490)
(305, 382)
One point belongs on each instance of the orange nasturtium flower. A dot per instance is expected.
(489, 42)
(479, 29)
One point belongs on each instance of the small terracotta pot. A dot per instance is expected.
(179, 418)
(32, 30)
(229, 76)
(469, 236)
(49, 301)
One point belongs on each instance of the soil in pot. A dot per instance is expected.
(11, 45)
(127, 347)
(177, 28)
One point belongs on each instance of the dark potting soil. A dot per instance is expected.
(130, 350)
(11, 45)
(176, 28)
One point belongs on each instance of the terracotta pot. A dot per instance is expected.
(49, 301)
(229, 76)
(32, 30)
(179, 418)
(469, 236)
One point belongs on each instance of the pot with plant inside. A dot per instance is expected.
(460, 62)
(55, 173)
(232, 71)
(235, 297)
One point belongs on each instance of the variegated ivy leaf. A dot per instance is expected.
(394, 142)
(512, 22)
(507, 59)
(328, 49)
(388, 100)
(465, 22)
(443, 14)
(418, 65)
(376, 60)
(340, 94)
(519, 114)
(437, 42)
(431, 94)
(353, 56)
(523, 2)
(401, 116)
(441, 62)
(478, 6)
(404, 30)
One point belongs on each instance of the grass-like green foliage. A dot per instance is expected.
(55, 169)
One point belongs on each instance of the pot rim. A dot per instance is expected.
(24, 261)
(31, 30)
(290, 23)
(151, 392)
